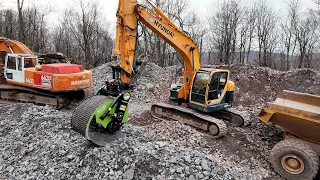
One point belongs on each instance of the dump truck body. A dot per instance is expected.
(296, 113)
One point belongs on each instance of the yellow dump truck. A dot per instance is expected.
(298, 114)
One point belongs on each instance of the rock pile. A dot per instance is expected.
(38, 141)
(100, 75)
(153, 85)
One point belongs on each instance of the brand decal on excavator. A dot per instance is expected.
(86, 81)
(29, 80)
(164, 29)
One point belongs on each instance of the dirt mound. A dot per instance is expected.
(255, 86)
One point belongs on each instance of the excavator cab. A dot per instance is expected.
(15, 65)
(211, 90)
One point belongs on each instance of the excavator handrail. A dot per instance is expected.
(23, 55)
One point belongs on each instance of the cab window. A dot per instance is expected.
(217, 84)
(19, 64)
(28, 63)
(11, 63)
(181, 80)
(223, 80)
(199, 87)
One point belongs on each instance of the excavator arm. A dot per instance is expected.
(14, 47)
(128, 14)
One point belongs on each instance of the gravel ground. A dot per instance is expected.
(37, 142)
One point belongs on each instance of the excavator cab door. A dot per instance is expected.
(199, 88)
(207, 91)
(217, 85)
(14, 68)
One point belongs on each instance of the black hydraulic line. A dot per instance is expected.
(112, 105)
(192, 51)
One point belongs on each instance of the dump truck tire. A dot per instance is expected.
(293, 160)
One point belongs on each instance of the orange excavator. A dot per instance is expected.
(207, 92)
(23, 79)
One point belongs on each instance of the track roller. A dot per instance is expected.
(230, 115)
(216, 127)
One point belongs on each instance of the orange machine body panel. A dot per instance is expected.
(60, 77)
(56, 78)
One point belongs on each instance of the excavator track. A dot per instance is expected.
(29, 95)
(231, 116)
(216, 127)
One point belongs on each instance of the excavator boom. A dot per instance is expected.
(128, 15)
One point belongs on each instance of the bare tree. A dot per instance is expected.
(306, 39)
(82, 25)
(223, 30)
(31, 28)
(83, 35)
(9, 24)
(36, 31)
(266, 24)
(288, 33)
(21, 21)
(246, 33)
(251, 21)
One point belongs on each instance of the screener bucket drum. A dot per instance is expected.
(86, 120)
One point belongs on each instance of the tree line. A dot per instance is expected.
(81, 34)
(258, 34)
(233, 32)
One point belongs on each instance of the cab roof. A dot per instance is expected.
(212, 69)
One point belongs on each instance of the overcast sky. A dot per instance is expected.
(109, 7)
